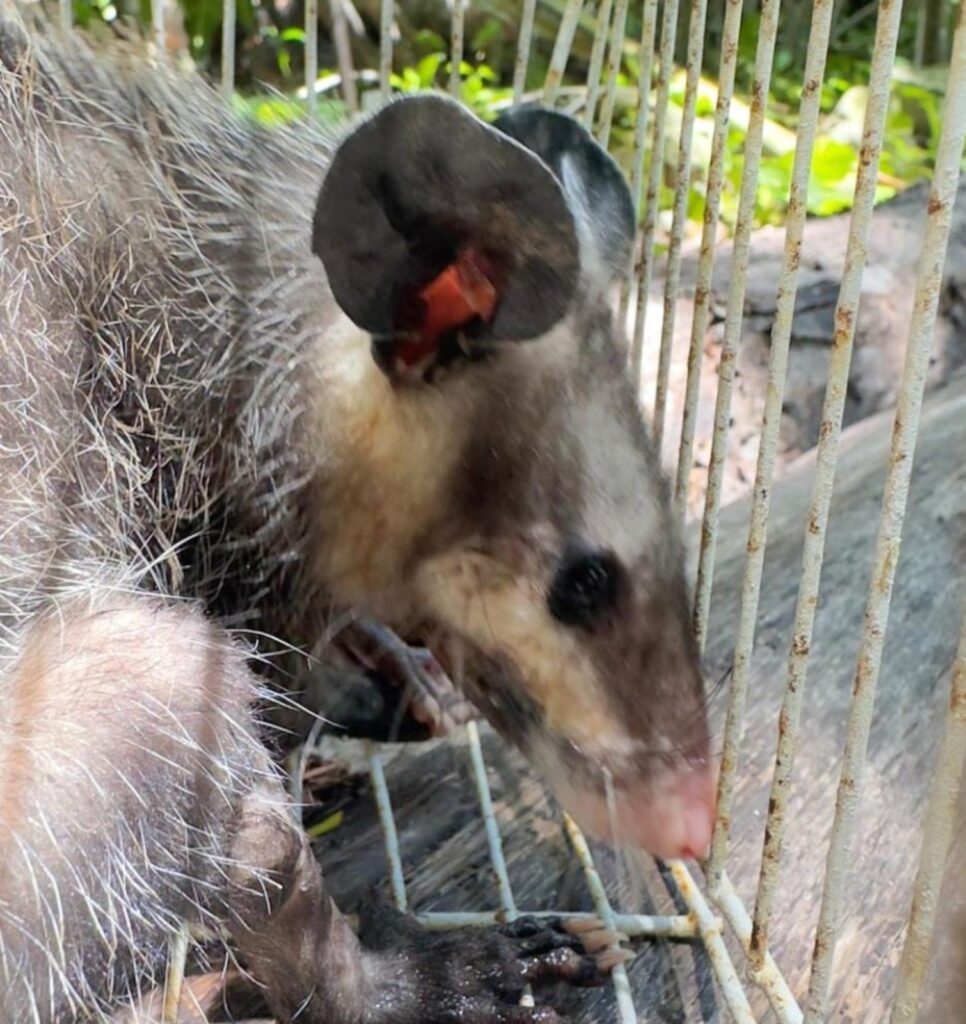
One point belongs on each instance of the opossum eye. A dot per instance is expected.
(585, 588)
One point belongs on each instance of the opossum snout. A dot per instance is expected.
(672, 819)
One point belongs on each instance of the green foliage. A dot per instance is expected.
(912, 129)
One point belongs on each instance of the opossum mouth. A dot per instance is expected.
(668, 813)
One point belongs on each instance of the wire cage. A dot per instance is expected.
(715, 912)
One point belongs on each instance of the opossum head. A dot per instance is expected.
(497, 481)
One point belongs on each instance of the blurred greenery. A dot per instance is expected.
(270, 43)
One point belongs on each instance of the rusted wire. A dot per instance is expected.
(343, 51)
(682, 186)
(456, 48)
(613, 70)
(524, 42)
(888, 542)
(645, 266)
(846, 313)
(709, 233)
(767, 33)
(387, 15)
(596, 65)
(937, 836)
(228, 47)
(561, 51)
(648, 33)
(312, 50)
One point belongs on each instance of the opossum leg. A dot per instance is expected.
(428, 694)
(295, 941)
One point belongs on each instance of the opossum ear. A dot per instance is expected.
(596, 191)
(429, 220)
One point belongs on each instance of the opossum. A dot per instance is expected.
(249, 376)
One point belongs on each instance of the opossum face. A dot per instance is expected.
(522, 503)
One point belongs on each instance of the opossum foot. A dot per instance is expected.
(429, 695)
(469, 976)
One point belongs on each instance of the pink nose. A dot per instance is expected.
(671, 819)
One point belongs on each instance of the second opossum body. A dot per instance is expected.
(232, 402)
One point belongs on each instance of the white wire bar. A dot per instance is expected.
(524, 43)
(937, 836)
(596, 66)
(682, 186)
(738, 277)
(908, 409)
(809, 111)
(561, 51)
(613, 70)
(634, 926)
(387, 16)
(158, 24)
(709, 928)
(768, 28)
(228, 18)
(456, 47)
(66, 9)
(343, 52)
(645, 269)
(846, 314)
(701, 316)
(388, 822)
(648, 34)
(768, 978)
(174, 976)
(626, 1012)
(311, 55)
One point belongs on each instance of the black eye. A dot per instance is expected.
(584, 589)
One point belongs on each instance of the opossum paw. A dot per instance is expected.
(429, 696)
(470, 976)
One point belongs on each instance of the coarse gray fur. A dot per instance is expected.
(174, 453)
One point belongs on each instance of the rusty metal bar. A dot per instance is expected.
(343, 51)
(228, 13)
(157, 23)
(524, 43)
(312, 50)
(561, 51)
(387, 13)
(384, 806)
(741, 251)
(682, 186)
(634, 926)
(775, 389)
(709, 928)
(648, 33)
(456, 48)
(768, 28)
(908, 409)
(846, 313)
(493, 841)
(937, 837)
(730, 31)
(645, 266)
(174, 975)
(769, 979)
(626, 1013)
(613, 69)
(596, 65)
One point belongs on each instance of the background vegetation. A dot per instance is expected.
(270, 44)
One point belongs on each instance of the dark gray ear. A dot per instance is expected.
(596, 191)
(424, 180)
